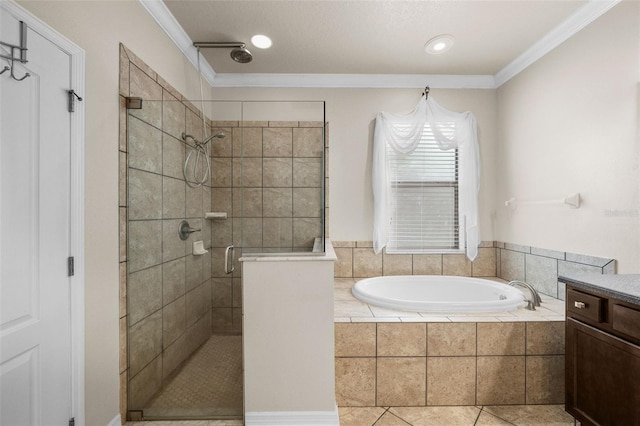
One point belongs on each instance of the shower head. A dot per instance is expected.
(218, 135)
(241, 55)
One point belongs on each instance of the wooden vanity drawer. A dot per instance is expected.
(626, 320)
(586, 305)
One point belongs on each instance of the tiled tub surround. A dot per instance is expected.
(166, 292)
(538, 267)
(401, 359)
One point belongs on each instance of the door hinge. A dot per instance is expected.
(72, 100)
(72, 421)
(70, 266)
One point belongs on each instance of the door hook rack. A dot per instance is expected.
(18, 53)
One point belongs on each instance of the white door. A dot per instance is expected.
(35, 310)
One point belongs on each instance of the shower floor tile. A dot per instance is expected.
(209, 385)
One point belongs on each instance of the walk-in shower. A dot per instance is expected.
(252, 177)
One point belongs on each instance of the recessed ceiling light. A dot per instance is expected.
(261, 41)
(439, 44)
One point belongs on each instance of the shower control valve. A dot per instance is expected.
(185, 230)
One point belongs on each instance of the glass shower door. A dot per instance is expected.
(184, 351)
(248, 179)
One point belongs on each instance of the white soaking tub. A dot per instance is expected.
(438, 293)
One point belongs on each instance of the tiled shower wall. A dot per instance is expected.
(165, 303)
(536, 266)
(267, 178)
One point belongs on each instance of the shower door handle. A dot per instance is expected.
(230, 249)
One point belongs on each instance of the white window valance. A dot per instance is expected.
(403, 133)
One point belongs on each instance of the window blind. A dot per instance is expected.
(424, 196)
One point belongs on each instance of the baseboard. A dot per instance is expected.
(116, 421)
(292, 418)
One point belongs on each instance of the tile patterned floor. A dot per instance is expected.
(505, 415)
(209, 384)
(513, 415)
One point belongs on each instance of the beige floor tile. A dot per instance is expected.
(343, 294)
(451, 380)
(359, 416)
(383, 312)
(433, 318)
(389, 419)
(501, 339)
(532, 415)
(351, 309)
(345, 281)
(356, 382)
(401, 381)
(488, 419)
(376, 320)
(545, 379)
(427, 416)
(355, 339)
(449, 339)
(501, 380)
(545, 338)
(402, 339)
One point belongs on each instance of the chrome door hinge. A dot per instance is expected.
(72, 421)
(70, 266)
(72, 100)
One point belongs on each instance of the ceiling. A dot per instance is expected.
(372, 36)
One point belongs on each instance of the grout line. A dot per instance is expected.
(478, 416)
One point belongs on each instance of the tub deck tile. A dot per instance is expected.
(375, 319)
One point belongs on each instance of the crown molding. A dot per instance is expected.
(566, 29)
(570, 26)
(165, 19)
(386, 81)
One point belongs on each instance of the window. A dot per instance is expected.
(424, 194)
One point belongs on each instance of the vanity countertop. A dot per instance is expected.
(621, 286)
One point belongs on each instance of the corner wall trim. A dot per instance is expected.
(382, 81)
(293, 418)
(565, 30)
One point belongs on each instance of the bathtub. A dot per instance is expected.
(438, 293)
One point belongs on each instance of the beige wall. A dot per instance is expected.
(98, 27)
(289, 341)
(351, 114)
(569, 123)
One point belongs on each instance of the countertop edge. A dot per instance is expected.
(606, 284)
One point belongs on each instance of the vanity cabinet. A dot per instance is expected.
(602, 364)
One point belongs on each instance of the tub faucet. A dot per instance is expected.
(535, 297)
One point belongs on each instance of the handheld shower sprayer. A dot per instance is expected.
(202, 154)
